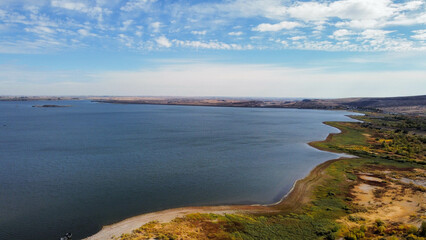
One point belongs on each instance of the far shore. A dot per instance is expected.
(298, 196)
(410, 105)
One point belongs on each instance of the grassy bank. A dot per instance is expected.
(330, 204)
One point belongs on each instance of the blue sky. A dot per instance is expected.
(262, 48)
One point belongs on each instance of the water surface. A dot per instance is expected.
(76, 169)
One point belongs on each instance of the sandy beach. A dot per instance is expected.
(127, 225)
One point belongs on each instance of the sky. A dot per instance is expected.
(235, 48)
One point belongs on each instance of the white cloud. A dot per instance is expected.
(297, 38)
(351, 13)
(319, 26)
(2, 13)
(407, 20)
(199, 32)
(359, 24)
(309, 11)
(139, 30)
(266, 27)
(155, 26)
(374, 34)
(76, 6)
(410, 6)
(41, 30)
(343, 9)
(272, 9)
(85, 32)
(210, 45)
(163, 42)
(135, 5)
(93, 11)
(356, 25)
(341, 34)
(235, 33)
(419, 35)
(37, 46)
(126, 24)
(126, 40)
(360, 13)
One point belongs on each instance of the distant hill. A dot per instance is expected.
(388, 102)
(414, 105)
(408, 105)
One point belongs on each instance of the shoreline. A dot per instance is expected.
(299, 195)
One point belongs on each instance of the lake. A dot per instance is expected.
(77, 168)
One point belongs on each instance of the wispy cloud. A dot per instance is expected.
(163, 42)
(341, 25)
(341, 34)
(93, 11)
(155, 26)
(235, 33)
(297, 38)
(210, 45)
(137, 5)
(266, 27)
(419, 34)
(204, 32)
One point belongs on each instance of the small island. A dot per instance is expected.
(51, 106)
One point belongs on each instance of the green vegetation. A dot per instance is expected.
(394, 122)
(352, 139)
(369, 139)
(397, 137)
(380, 142)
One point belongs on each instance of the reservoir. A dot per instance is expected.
(75, 169)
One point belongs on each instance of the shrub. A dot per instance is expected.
(412, 229)
(422, 232)
(350, 236)
(355, 218)
(379, 222)
(411, 237)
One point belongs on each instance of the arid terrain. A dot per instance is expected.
(415, 105)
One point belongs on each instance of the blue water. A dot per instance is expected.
(76, 169)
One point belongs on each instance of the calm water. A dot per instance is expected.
(76, 169)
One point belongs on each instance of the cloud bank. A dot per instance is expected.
(215, 80)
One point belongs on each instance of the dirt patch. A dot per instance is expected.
(370, 178)
(386, 198)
